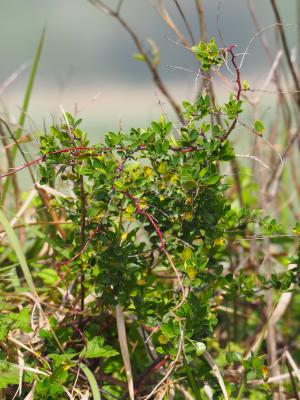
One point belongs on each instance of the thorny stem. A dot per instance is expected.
(43, 157)
(82, 236)
(15, 170)
(150, 218)
(237, 70)
(64, 263)
(17, 143)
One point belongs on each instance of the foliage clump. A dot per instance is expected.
(144, 227)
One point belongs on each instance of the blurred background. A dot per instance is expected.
(87, 62)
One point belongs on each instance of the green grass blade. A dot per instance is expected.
(92, 381)
(15, 244)
(45, 238)
(25, 105)
(29, 87)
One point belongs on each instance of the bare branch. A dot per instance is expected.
(201, 18)
(155, 75)
(162, 11)
(286, 48)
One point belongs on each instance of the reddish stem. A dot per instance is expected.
(78, 330)
(237, 71)
(82, 250)
(23, 167)
(77, 150)
(154, 367)
(239, 91)
(162, 244)
(150, 218)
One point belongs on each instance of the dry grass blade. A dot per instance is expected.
(184, 392)
(30, 395)
(68, 393)
(23, 346)
(292, 363)
(124, 349)
(30, 197)
(50, 190)
(168, 371)
(85, 395)
(21, 372)
(217, 373)
(161, 393)
(275, 316)
(272, 379)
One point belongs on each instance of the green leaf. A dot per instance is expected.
(61, 358)
(5, 324)
(189, 183)
(208, 54)
(200, 348)
(96, 348)
(168, 127)
(245, 85)
(22, 320)
(156, 127)
(139, 57)
(48, 275)
(296, 228)
(9, 375)
(259, 127)
(70, 118)
(59, 375)
(212, 179)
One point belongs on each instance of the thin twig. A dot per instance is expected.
(155, 75)
(201, 19)
(286, 48)
(162, 11)
(185, 20)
